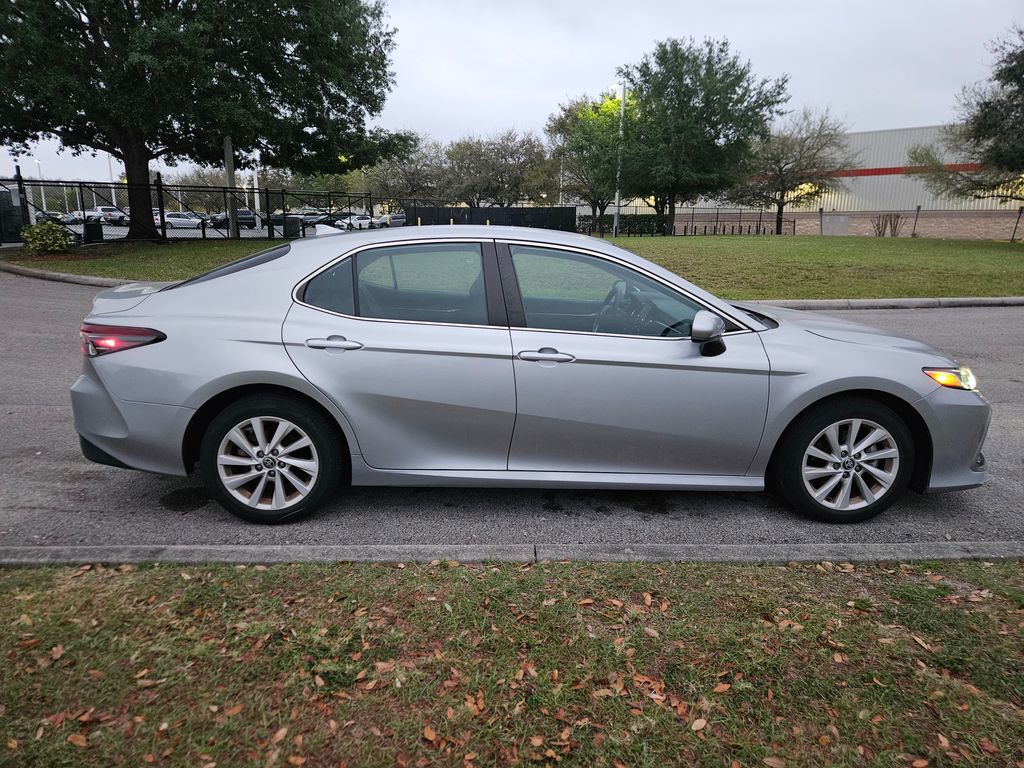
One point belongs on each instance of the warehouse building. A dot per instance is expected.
(884, 184)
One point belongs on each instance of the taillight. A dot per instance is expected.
(103, 339)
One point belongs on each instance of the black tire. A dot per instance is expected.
(787, 469)
(325, 442)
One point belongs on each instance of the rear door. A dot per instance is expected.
(411, 342)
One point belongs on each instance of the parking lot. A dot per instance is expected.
(50, 496)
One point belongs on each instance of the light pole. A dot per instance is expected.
(42, 194)
(621, 88)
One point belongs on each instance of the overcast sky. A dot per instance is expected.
(480, 66)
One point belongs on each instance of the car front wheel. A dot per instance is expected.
(270, 459)
(845, 461)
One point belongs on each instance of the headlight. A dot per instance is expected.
(957, 378)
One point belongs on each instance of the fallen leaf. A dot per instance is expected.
(232, 711)
(585, 601)
(296, 760)
(279, 734)
(56, 652)
(774, 762)
(988, 746)
(536, 741)
(698, 724)
(722, 687)
(429, 733)
(943, 741)
(920, 762)
(78, 740)
(921, 642)
(651, 632)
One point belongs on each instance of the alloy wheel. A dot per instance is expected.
(850, 464)
(267, 463)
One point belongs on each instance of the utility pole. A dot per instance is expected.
(229, 166)
(618, 170)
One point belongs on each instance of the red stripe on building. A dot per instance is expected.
(900, 170)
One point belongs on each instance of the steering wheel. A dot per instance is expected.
(615, 301)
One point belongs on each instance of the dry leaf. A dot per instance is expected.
(279, 734)
(722, 687)
(78, 740)
(920, 762)
(651, 632)
(698, 724)
(988, 746)
(429, 733)
(232, 711)
(536, 741)
(774, 762)
(56, 652)
(296, 760)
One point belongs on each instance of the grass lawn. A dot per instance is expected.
(803, 267)
(578, 664)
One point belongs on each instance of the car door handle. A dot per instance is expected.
(333, 342)
(546, 355)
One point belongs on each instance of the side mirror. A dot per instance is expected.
(707, 329)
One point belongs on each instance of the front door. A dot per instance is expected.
(607, 379)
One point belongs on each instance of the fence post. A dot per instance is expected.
(81, 206)
(1017, 224)
(22, 197)
(266, 211)
(821, 222)
(759, 214)
(160, 204)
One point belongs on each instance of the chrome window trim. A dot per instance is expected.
(352, 253)
(744, 327)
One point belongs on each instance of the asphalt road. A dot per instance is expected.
(50, 496)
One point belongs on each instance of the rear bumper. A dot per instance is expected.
(125, 433)
(958, 422)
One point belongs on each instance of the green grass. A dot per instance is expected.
(787, 267)
(581, 664)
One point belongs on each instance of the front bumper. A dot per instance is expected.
(958, 422)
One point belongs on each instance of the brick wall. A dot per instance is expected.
(952, 225)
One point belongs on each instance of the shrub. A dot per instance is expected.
(47, 237)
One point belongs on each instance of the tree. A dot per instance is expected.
(413, 174)
(501, 170)
(585, 135)
(517, 162)
(142, 79)
(699, 110)
(987, 146)
(796, 164)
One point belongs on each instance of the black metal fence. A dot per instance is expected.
(638, 220)
(92, 211)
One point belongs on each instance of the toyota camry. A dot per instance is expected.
(507, 357)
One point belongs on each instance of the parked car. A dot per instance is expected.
(179, 220)
(355, 221)
(247, 219)
(401, 358)
(55, 216)
(389, 220)
(73, 217)
(311, 215)
(108, 214)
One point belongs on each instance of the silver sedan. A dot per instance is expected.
(489, 356)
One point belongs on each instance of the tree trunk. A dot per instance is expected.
(600, 215)
(594, 223)
(779, 207)
(140, 199)
(671, 220)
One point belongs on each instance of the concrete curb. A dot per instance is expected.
(936, 303)
(513, 553)
(61, 277)
(812, 304)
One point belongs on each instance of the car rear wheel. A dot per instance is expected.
(845, 461)
(270, 459)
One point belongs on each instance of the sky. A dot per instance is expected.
(482, 66)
